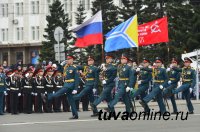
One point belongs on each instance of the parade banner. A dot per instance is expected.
(153, 32)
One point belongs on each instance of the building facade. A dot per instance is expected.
(22, 24)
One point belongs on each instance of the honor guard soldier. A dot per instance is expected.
(14, 91)
(58, 82)
(49, 87)
(108, 74)
(174, 78)
(7, 93)
(70, 87)
(144, 78)
(91, 83)
(160, 80)
(20, 97)
(126, 81)
(188, 82)
(39, 89)
(27, 88)
(2, 90)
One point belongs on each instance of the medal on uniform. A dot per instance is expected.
(124, 69)
(189, 72)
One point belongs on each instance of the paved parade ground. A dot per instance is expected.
(59, 122)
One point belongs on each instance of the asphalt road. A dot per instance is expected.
(59, 122)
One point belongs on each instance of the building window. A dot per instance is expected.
(88, 4)
(19, 56)
(48, 5)
(38, 32)
(66, 4)
(17, 9)
(35, 7)
(4, 10)
(4, 34)
(20, 33)
(71, 5)
(33, 33)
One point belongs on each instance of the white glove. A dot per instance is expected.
(137, 69)
(168, 69)
(19, 94)
(191, 90)
(94, 90)
(74, 92)
(161, 87)
(169, 82)
(104, 82)
(5, 93)
(139, 82)
(35, 94)
(45, 92)
(128, 89)
(32, 93)
(53, 92)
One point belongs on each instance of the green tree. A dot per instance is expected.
(56, 18)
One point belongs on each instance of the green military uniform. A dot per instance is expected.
(126, 79)
(189, 81)
(2, 89)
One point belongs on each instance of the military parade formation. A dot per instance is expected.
(61, 88)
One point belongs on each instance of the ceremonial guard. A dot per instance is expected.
(160, 80)
(107, 75)
(70, 87)
(49, 88)
(91, 74)
(174, 78)
(15, 82)
(126, 82)
(28, 91)
(144, 78)
(188, 75)
(58, 82)
(7, 92)
(39, 89)
(2, 90)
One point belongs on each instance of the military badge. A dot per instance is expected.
(70, 71)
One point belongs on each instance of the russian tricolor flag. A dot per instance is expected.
(90, 32)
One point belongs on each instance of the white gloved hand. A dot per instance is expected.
(128, 89)
(137, 69)
(35, 94)
(74, 92)
(161, 87)
(169, 82)
(191, 90)
(168, 69)
(53, 92)
(19, 94)
(139, 82)
(45, 92)
(5, 93)
(104, 82)
(94, 90)
(32, 93)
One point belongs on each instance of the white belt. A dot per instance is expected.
(27, 86)
(14, 88)
(59, 86)
(49, 85)
(40, 86)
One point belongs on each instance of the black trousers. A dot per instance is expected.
(27, 103)
(14, 102)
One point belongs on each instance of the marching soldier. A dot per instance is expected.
(58, 84)
(70, 87)
(160, 80)
(144, 78)
(39, 89)
(126, 81)
(15, 83)
(174, 78)
(188, 82)
(92, 77)
(2, 89)
(49, 87)
(27, 88)
(108, 75)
